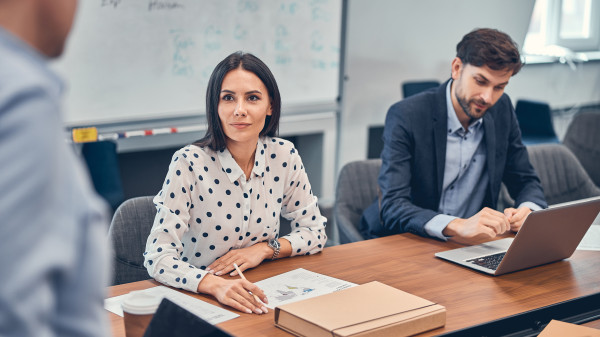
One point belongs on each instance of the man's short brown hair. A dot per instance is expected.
(489, 47)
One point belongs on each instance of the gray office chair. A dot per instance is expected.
(562, 176)
(356, 189)
(128, 232)
(583, 139)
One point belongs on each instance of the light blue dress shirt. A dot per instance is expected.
(53, 246)
(465, 173)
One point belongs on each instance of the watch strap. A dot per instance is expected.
(275, 245)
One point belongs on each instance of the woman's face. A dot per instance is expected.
(244, 105)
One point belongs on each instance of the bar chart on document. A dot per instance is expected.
(299, 284)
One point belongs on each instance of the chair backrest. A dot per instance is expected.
(414, 87)
(535, 122)
(356, 189)
(562, 176)
(583, 139)
(128, 233)
(103, 165)
(375, 142)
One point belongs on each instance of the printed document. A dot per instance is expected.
(591, 240)
(210, 313)
(299, 284)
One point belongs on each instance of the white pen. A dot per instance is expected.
(263, 308)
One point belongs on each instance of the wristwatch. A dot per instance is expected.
(274, 244)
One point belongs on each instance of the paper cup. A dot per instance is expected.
(138, 309)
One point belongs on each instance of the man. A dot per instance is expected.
(446, 152)
(53, 255)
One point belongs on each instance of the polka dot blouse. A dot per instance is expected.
(206, 207)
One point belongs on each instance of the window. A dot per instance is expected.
(559, 24)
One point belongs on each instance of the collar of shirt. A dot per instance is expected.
(234, 171)
(454, 125)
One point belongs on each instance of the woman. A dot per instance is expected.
(223, 196)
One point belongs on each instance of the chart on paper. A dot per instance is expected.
(299, 284)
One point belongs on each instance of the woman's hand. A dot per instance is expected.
(235, 293)
(245, 258)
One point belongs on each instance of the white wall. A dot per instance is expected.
(558, 84)
(389, 42)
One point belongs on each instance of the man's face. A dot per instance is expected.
(477, 89)
(57, 18)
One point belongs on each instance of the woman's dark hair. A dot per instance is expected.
(215, 137)
(489, 47)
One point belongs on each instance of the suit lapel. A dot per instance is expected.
(440, 137)
(490, 144)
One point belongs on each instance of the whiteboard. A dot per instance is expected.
(129, 60)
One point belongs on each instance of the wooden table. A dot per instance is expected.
(407, 262)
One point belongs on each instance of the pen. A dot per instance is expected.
(244, 278)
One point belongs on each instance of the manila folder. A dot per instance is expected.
(559, 329)
(371, 309)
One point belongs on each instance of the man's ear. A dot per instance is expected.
(457, 66)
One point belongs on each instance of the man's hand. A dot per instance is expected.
(516, 217)
(481, 227)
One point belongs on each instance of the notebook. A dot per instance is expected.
(546, 236)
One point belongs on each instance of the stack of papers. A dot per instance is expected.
(206, 311)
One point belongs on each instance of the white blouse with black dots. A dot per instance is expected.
(206, 208)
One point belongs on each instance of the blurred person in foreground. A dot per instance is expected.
(53, 254)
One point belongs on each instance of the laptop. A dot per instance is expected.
(546, 236)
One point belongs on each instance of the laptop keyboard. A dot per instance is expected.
(490, 261)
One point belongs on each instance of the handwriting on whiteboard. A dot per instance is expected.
(153, 5)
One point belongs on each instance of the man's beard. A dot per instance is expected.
(466, 106)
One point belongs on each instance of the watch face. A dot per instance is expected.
(273, 243)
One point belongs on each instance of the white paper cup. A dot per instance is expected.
(138, 310)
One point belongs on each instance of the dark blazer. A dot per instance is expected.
(414, 155)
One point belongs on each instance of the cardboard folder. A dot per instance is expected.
(371, 309)
(561, 329)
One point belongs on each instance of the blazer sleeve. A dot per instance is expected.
(398, 213)
(519, 176)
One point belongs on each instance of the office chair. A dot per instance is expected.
(103, 165)
(128, 232)
(562, 176)
(583, 139)
(375, 142)
(535, 122)
(414, 87)
(356, 189)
